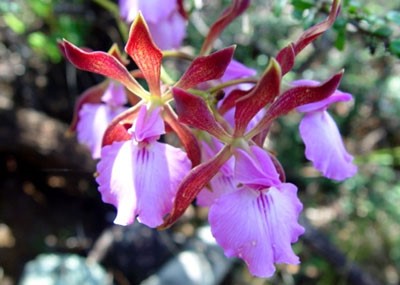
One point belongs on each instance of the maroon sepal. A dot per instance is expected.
(286, 57)
(181, 9)
(302, 95)
(188, 140)
(193, 111)
(267, 88)
(204, 68)
(193, 183)
(230, 100)
(118, 129)
(227, 16)
(142, 49)
(313, 32)
(102, 63)
(91, 95)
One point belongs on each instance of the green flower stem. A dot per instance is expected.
(221, 86)
(165, 77)
(177, 54)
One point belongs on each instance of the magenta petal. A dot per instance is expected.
(156, 10)
(114, 95)
(116, 184)
(258, 226)
(168, 33)
(93, 121)
(149, 124)
(220, 184)
(141, 180)
(324, 146)
(255, 168)
(128, 9)
(237, 70)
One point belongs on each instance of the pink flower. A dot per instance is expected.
(140, 176)
(166, 24)
(94, 118)
(136, 173)
(320, 134)
(258, 222)
(223, 182)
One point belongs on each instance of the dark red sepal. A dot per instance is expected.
(181, 9)
(267, 88)
(286, 57)
(188, 140)
(193, 183)
(302, 95)
(313, 32)
(193, 111)
(204, 68)
(118, 128)
(142, 49)
(296, 97)
(102, 63)
(227, 16)
(230, 100)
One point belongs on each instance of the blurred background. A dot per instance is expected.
(51, 212)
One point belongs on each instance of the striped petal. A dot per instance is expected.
(258, 226)
(93, 122)
(324, 146)
(141, 180)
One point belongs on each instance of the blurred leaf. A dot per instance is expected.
(353, 7)
(393, 16)
(383, 31)
(42, 8)
(340, 27)
(302, 4)
(278, 7)
(14, 23)
(44, 46)
(394, 47)
(340, 41)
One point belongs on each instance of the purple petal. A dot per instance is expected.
(114, 95)
(324, 146)
(141, 180)
(148, 125)
(168, 33)
(337, 96)
(236, 70)
(210, 150)
(258, 226)
(93, 121)
(255, 168)
(128, 9)
(223, 182)
(155, 10)
(220, 184)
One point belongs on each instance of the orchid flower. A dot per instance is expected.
(95, 118)
(96, 108)
(165, 19)
(324, 146)
(136, 173)
(258, 222)
(223, 163)
(254, 217)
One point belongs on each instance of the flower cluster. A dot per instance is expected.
(220, 159)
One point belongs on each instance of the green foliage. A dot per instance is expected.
(376, 28)
(42, 23)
